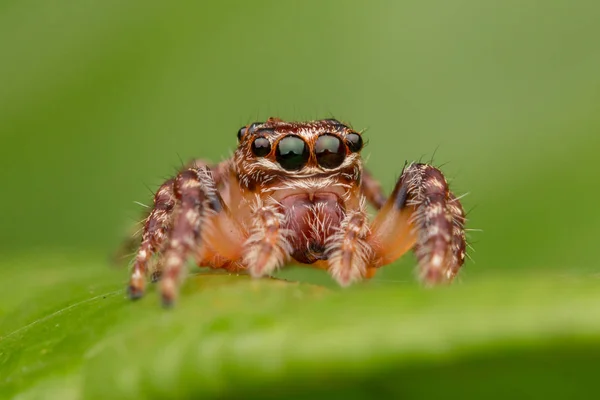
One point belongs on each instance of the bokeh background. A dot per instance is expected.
(101, 100)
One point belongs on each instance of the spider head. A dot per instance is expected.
(279, 150)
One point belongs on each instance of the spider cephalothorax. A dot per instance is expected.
(297, 191)
(280, 153)
(310, 169)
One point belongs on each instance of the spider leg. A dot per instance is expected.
(132, 242)
(421, 214)
(371, 189)
(267, 247)
(195, 221)
(348, 252)
(155, 233)
(196, 194)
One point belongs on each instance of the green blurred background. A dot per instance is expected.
(101, 100)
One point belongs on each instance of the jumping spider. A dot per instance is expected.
(297, 191)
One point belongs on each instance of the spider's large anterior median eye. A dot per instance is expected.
(261, 147)
(355, 142)
(292, 153)
(330, 151)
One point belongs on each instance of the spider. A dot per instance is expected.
(298, 192)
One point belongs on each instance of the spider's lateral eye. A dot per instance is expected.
(247, 129)
(261, 147)
(253, 125)
(330, 151)
(354, 141)
(292, 153)
(241, 133)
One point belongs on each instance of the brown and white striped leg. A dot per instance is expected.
(348, 252)
(132, 242)
(424, 215)
(155, 233)
(196, 192)
(456, 214)
(156, 228)
(267, 247)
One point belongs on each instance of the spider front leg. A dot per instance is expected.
(138, 234)
(421, 214)
(156, 229)
(268, 246)
(348, 251)
(193, 200)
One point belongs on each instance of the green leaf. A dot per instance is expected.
(74, 334)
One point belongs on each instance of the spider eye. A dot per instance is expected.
(254, 125)
(261, 147)
(292, 153)
(250, 128)
(355, 142)
(241, 133)
(330, 151)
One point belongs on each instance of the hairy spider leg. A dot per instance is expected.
(132, 243)
(195, 224)
(267, 246)
(371, 189)
(156, 226)
(155, 234)
(348, 252)
(421, 214)
(191, 199)
(194, 218)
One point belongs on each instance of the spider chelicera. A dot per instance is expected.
(297, 192)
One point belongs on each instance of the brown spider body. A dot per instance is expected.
(298, 191)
